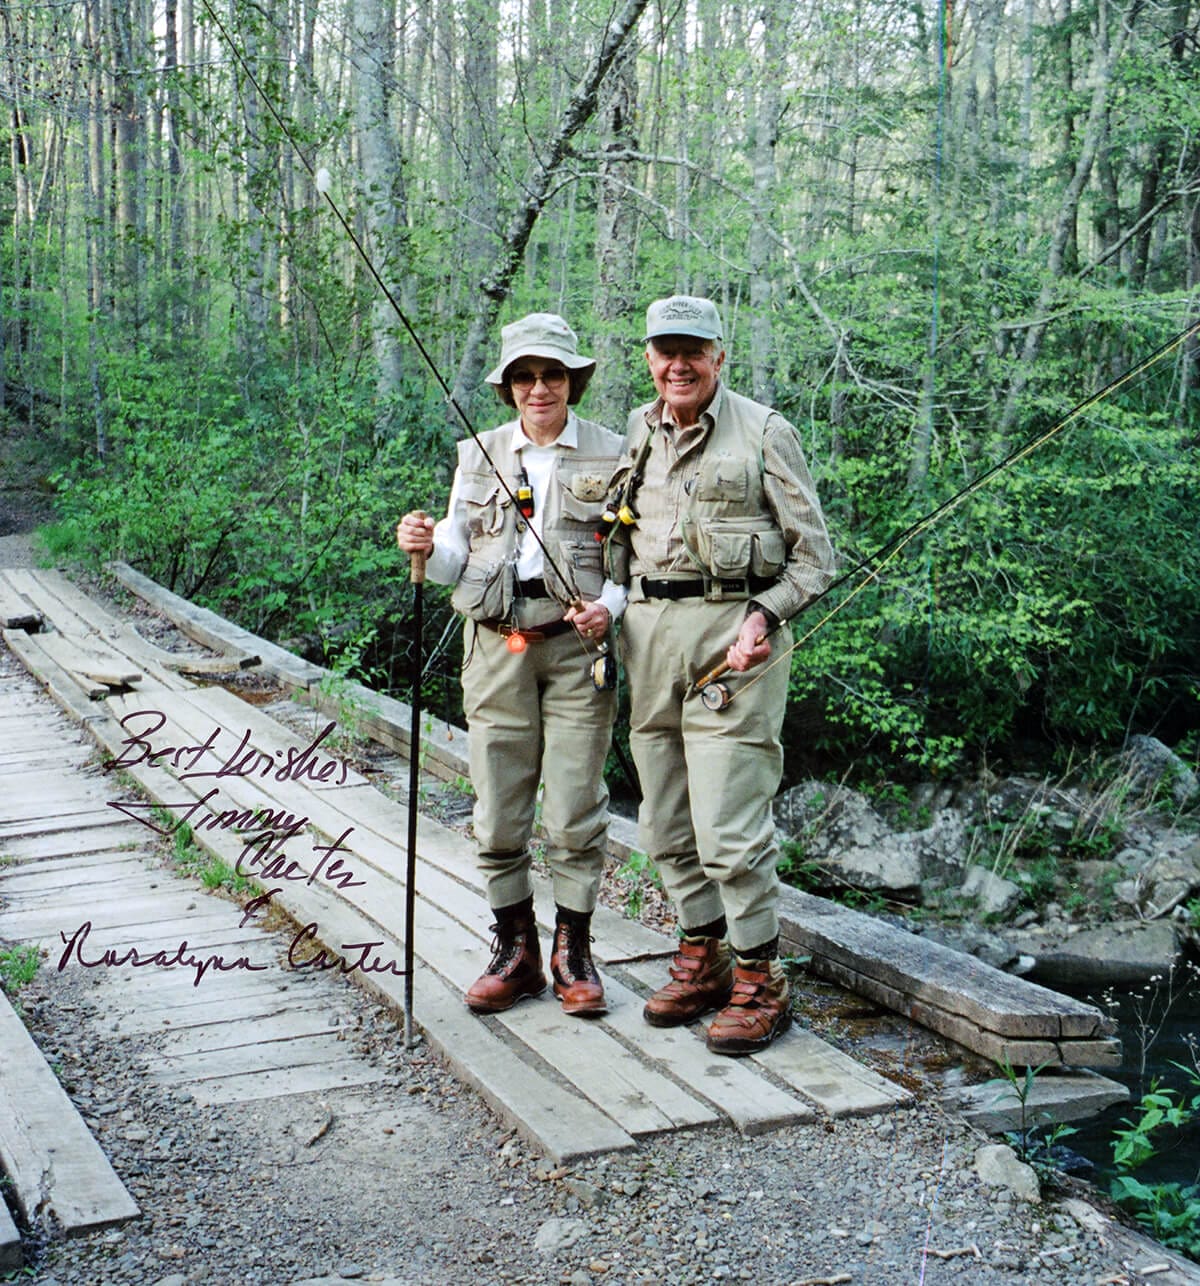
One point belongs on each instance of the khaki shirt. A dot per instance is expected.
(670, 475)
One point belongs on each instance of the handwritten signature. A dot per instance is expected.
(350, 957)
(291, 764)
(263, 857)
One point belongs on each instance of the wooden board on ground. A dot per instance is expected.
(10, 1242)
(215, 632)
(826, 1077)
(941, 988)
(73, 693)
(255, 1002)
(57, 1171)
(318, 1078)
(90, 660)
(16, 611)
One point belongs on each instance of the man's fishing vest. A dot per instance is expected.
(574, 505)
(725, 524)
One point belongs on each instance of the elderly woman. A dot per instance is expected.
(532, 704)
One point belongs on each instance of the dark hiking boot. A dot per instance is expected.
(701, 980)
(757, 1012)
(576, 982)
(516, 967)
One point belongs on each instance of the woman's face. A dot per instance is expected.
(540, 387)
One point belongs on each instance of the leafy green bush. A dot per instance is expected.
(1170, 1211)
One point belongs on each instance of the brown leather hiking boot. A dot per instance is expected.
(701, 979)
(516, 967)
(576, 982)
(757, 1012)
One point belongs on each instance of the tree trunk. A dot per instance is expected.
(537, 184)
(381, 190)
(1062, 237)
(765, 135)
(611, 390)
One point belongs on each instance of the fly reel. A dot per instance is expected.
(715, 696)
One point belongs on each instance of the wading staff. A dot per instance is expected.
(417, 577)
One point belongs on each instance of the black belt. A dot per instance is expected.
(694, 587)
(533, 635)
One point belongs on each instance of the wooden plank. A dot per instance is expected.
(996, 1107)
(637, 1096)
(556, 1121)
(11, 1256)
(733, 1085)
(70, 817)
(933, 974)
(837, 1083)
(255, 1001)
(67, 844)
(102, 875)
(255, 1057)
(90, 661)
(964, 1031)
(16, 611)
(824, 1075)
(56, 1169)
(64, 606)
(38, 792)
(234, 1033)
(321, 1078)
(86, 622)
(215, 632)
(75, 698)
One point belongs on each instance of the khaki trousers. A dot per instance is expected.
(536, 715)
(707, 777)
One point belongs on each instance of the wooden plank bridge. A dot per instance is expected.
(241, 1003)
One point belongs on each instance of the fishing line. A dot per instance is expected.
(870, 567)
(321, 183)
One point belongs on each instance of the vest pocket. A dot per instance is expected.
(768, 553)
(734, 547)
(485, 590)
(485, 502)
(584, 561)
(723, 479)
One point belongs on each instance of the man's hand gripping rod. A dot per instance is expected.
(715, 695)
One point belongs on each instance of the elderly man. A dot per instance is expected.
(728, 541)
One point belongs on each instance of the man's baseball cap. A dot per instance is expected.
(683, 315)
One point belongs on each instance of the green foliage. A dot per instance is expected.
(1036, 1139)
(638, 873)
(18, 967)
(211, 871)
(276, 512)
(1170, 1211)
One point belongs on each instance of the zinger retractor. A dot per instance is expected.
(524, 497)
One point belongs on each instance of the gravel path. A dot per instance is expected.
(413, 1180)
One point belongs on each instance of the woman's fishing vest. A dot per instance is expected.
(574, 505)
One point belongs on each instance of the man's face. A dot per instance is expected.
(685, 370)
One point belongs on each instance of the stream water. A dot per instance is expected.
(1160, 1033)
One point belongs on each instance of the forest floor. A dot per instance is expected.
(229, 1197)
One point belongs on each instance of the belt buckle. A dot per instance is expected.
(726, 589)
